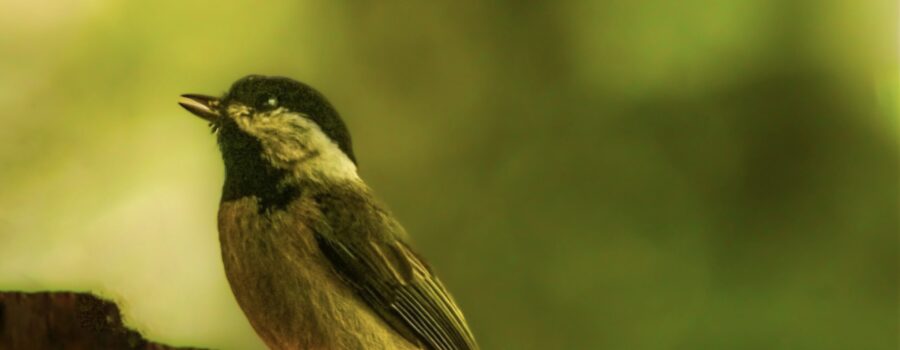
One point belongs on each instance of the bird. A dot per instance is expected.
(314, 259)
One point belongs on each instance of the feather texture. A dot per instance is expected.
(368, 252)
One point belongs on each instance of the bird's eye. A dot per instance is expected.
(269, 102)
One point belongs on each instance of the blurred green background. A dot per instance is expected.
(582, 174)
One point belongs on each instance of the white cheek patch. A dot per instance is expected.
(331, 161)
(238, 111)
(293, 142)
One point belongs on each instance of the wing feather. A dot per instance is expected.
(395, 282)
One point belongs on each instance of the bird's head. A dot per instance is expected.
(267, 125)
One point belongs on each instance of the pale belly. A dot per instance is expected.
(288, 290)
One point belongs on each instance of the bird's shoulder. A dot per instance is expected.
(351, 211)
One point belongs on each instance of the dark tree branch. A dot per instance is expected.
(65, 320)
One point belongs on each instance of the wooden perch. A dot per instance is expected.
(65, 320)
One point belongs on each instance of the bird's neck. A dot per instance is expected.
(247, 174)
(329, 166)
(247, 179)
(250, 172)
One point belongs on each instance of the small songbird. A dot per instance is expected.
(313, 259)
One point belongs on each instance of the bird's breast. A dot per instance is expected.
(287, 287)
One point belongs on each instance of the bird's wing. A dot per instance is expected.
(396, 283)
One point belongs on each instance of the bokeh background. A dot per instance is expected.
(582, 174)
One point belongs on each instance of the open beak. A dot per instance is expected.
(206, 107)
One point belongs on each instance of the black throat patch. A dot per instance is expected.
(247, 174)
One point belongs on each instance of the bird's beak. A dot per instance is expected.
(206, 107)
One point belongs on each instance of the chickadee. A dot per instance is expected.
(313, 259)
